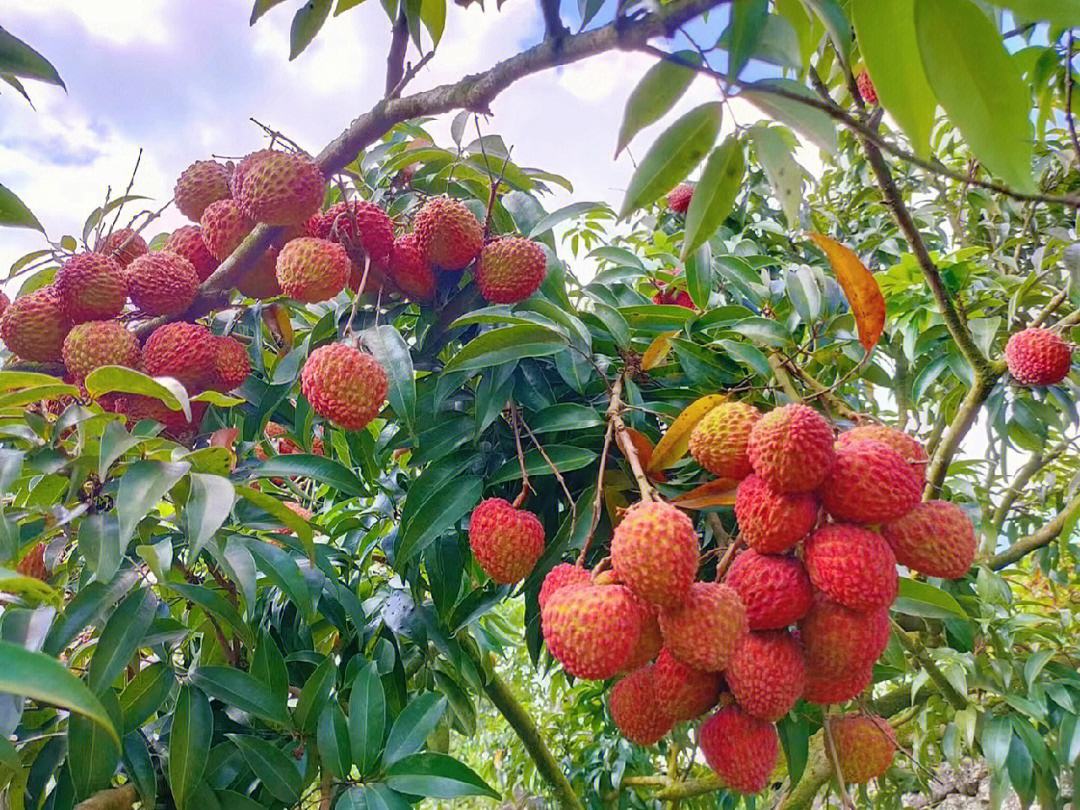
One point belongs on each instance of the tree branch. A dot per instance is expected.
(553, 25)
(956, 431)
(1043, 537)
(395, 58)
(915, 647)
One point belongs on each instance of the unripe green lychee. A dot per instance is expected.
(865, 746)
(357, 224)
(224, 226)
(448, 233)
(909, 448)
(200, 184)
(852, 566)
(510, 270)
(791, 447)
(837, 639)
(772, 522)
(162, 283)
(312, 270)
(186, 352)
(869, 483)
(718, 442)
(635, 709)
(935, 538)
(34, 326)
(123, 245)
(683, 692)
(92, 287)
(591, 629)
(704, 631)
(767, 673)
(95, 344)
(231, 364)
(775, 590)
(654, 552)
(344, 385)
(188, 242)
(561, 576)
(1038, 356)
(741, 749)
(279, 188)
(506, 541)
(678, 199)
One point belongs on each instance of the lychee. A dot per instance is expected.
(771, 522)
(409, 271)
(591, 629)
(704, 631)
(561, 576)
(775, 590)
(866, 88)
(260, 280)
(1038, 356)
(344, 385)
(123, 245)
(4, 302)
(186, 352)
(510, 270)
(767, 673)
(650, 640)
(92, 287)
(865, 746)
(869, 483)
(683, 692)
(853, 566)
(162, 283)
(935, 538)
(279, 188)
(188, 242)
(356, 224)
(678, 200)
(506, 541)
(312, 270)
(791, 447)
(909, 448)
(448, 233)
(742, 749)
(200, 184)
(837, 640)
(135, 408)
(825, 690)
(674, 296)
(224, 226)
(95, 344)
(654, 552)
(34, 326)
(718, 441)
(297, 509)
(635, 709)
(231, 364)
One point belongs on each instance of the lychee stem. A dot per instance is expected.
(830, 747)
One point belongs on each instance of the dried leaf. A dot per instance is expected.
(860, 287)
(658, 351)
(720, 492)
(643, 446)
(675, 442)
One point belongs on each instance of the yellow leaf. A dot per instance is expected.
(720, 492)
(860, 287)
(673, 445)
(644, 449)
(658, 351)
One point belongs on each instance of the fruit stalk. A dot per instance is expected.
(622, 438)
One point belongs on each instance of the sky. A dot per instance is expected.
(182, 79)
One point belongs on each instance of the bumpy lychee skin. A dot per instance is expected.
(776, 591)
(935, 538)
(184, 351)
(852, 566)
(448, 233)
(865, 746)
(95, 344)
(683, 692)
(312, 270)
(357, 222)
(188, 242)
(179, 428)
(650, 640)
(162, 283)
(34, 326)
(704, 632)
(678, 200)
(837, 639)
(826, 690)
(510, 270)
(409, 271)
(123, 245)
(741, 749)
(654, 552)
(1038, 356)
(866, 88)
(92, 287)
(506, 541)
(718, 442)
(767, 674)
(561, 576)
(344, 385)
(4, 303)
(200, 184)
(224, 226)
(675, 297)
(231, 364)
(635, 709)
(591, 629)
(791, 447)
(909, 448)
(280, 188)
(261, 280)
(870, 483)
(771, 522)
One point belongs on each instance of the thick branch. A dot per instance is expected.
(395, 58)
(1043, 537)
(956, 431)
(1035, 464)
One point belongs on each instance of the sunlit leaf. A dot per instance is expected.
(860, 287)
(662, 85)
(676, 439)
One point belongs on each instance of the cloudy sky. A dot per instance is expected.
(181, 80)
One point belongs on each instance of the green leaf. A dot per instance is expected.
(140, 767)
(19, 59)
(979, 85)
(318, 468)
(811, 122)
(437, 514)
(214, 603)
(785, 175)
(121, 638)
(282, 570)
(208, 506)
(922, 599)
(673, 156)
(565, 458)
(145, 693)
(389, 348)
(115, 441)
(561, 215)
(189, 744)
(832, 15)
(277, 510)
(995, 741)
(88, 605)
(503, 345)
(306, 24)
(565, 416)
(39, 677)
(700, 275)
(662, 85)
(372, 796)
(93, 749)
(332, 739)
(118, 379)
(747, 25)
(367, 718)
(274, 769)
(141, 489)
(765, 331)
(433, 16)
(890, 48)
(714, 194)
(436, 776)
(261, 7)
(14, 213)
(234, 687)
(412, 727)
(1063, 13)
(99, 543)
(268, 667)
(314, 695)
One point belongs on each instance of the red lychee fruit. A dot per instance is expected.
(866, 88)
(825, 690)
(409, 271)
(675, 297)
(162, 283)
(188, 242)
(344, 385)
(775, 590)
(506, 541)
(224, 226)
(683, 692)
(654, 552)
(357, 223)
(704, 631)
(297, 509)
(95, 344)
(4, 302)
(231, 364)
(200, 184)
(33, 563)
(91, 287)
(184, 351)
(767, 673)
(123, 245)
(718, 441)
(852, 566)
(279, 188)
(791, 447)
(865, 746)
(591, 629)
(678, 200)
(909, 448)
(935, 538)
(34, 326)
(561, 576)
(650, 640)
(741, 749)
(1038, 356)
(449, 234)
(869, 483)
(837, 640)
(312, 270)
(135, 408)
(510, 270)
(771, 522)
(261, 281)
(635, 709)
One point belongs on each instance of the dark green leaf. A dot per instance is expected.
(503, 345)
(88, 605)
(714, 195)
(214, 603)
(139, 767)
(141, 489)
(412, 727)
(318, 468)
(444, 509)
(208, 506)
(189, 744)
(121, 638)
(436, 776)
(306, 24)
(93, 748)
(282, 570)
(13, 212)
(274, 769)
(565, 457)
(367, 718)
(234, 687)
(561, 215)
(923, 599)
(333, 741)
(747, 25)
(314, 695)
(566, 416)
(145, 693)
(661, 86)
(390, 349)
(19, 59)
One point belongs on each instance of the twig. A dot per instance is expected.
(948, 691)
(276, 136)
(127, 192)
(614, 414)
(1033, 542)
(554, 470)
(525, 488)
(553, 24)
(410, 73)
(830, 747)
(598, 499)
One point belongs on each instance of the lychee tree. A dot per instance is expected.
(387, 480)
